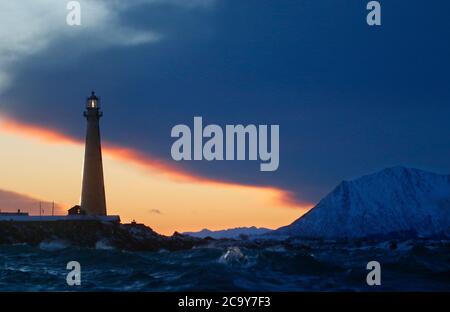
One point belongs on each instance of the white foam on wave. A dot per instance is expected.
(53, 245)
(233, 255)
(103, 245)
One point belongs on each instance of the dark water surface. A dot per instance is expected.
(325, 267)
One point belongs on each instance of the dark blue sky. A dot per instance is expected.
(350, 99)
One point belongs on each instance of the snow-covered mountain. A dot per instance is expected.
(394, 200)
(230, 233)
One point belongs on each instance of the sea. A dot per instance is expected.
(329, 266)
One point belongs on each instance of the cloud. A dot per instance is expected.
(281, 197)
(28, 27)
(155, 211)
(12, 202)
(179, 3)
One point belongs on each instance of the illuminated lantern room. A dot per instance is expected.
(93, 101)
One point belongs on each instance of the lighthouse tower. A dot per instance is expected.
(93, 190)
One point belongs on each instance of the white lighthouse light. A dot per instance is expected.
(92, 101)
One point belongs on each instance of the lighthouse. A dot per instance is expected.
(93, 200)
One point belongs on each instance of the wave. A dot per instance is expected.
(53, 245)
(320, 267)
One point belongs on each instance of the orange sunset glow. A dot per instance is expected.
(42, 163)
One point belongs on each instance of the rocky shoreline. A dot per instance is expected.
(94, 234)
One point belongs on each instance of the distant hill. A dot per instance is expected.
(229, 233)
(395, 200)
